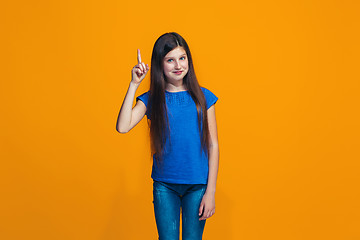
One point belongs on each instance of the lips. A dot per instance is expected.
(178, 72)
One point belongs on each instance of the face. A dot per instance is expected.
(176, 64)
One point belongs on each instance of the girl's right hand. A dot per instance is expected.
(139, 70)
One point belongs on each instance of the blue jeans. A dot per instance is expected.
(168, 198)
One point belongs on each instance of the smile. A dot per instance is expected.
(178, 72)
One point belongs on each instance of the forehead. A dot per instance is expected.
(178, 51)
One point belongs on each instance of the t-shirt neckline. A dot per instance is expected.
(176, 92)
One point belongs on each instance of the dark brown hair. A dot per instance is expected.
(159, 127)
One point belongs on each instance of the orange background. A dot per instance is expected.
(287, 77)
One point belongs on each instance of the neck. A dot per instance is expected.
(171, 87)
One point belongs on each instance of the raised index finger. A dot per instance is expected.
(138, 56)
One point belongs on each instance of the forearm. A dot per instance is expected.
(213, 169)
(124, 117)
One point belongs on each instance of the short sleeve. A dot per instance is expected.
(210, 98)
(144, 98)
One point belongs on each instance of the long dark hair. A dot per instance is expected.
(159, 127)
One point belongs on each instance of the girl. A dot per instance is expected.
(183, 135)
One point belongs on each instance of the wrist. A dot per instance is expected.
(210, 190)
(134, 84)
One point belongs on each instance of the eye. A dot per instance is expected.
(169, 60)
(182, 58)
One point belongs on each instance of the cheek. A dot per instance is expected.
(166, 67)
(166, 70)
(185, 65)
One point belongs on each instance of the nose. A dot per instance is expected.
(177, 65)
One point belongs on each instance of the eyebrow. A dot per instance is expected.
(173, 57)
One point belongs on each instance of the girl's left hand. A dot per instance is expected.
(207, 206)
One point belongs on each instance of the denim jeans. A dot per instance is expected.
(169, 198)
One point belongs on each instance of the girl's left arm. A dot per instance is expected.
(207, 206)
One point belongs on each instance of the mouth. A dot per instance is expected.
(178, 72)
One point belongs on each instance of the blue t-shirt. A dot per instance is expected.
(183, 161)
